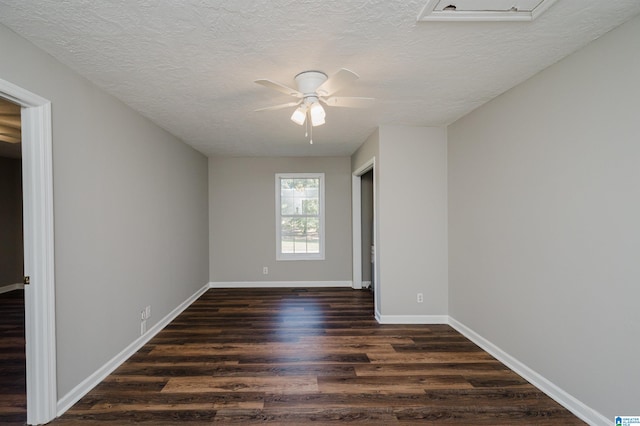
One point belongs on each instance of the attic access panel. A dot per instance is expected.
(483, 10)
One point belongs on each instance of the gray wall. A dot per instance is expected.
(411, 222)
(130, 213)
(544, 231)
(242, 220)
(368, 150)
(11, 249)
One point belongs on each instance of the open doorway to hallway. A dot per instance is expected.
(366, 260)
(366, 229)
(13, 404)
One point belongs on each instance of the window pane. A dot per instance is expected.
(300, 245)
(299, 197)
(287, 245)
(289, 226)
(313, 225)
(300, 235)
(310, 206)
(299, 212)
(287, 202)
(313, 245)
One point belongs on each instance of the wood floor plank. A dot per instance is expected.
(13, 397)
(299, 356)
(468, 397)
(356, 340)
(468, 369)
(308, 358)
(402, 384)
(318, 416)
(506, 417)
(275, 384)
(220, 370)
(114, 401)
(109, 407)
(277, 349)
(428, 357)
(149, 417)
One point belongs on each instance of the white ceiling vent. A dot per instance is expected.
(483, 10)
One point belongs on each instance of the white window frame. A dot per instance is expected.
(321, 191)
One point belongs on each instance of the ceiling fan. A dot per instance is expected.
(315, 89)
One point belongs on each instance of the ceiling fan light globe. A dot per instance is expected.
(317, 122)
(317, 114)
(299, 116)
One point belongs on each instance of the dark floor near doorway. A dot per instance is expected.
(13, 398)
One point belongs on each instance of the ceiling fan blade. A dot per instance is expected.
(281, 106)
(279, 87)
(348, 102)
(336, 82)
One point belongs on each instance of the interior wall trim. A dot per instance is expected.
(100, 374)
(563, 398)
(278, 284)
(411, 319)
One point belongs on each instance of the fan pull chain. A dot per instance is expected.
(308, 129)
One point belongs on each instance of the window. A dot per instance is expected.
(300, 216)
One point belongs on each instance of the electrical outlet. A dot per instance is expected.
(143, 327)
(265, 270)
(143, 315)
(420, 298)
(147, 312)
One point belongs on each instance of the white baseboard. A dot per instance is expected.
(366, 284)
(11, 287)
(93, 380)
(280, 284)
(412, 319)
(572, 404)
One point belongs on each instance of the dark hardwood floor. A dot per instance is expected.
(13, 398)
(318, 356)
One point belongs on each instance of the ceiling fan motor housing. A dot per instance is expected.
(309, 81)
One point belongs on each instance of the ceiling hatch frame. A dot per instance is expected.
(483, 10)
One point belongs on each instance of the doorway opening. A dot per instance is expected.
(13, 405)
(366, 230)
(37, 211)
(366, 270)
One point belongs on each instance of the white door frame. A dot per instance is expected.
(37, 189)
(356, 211)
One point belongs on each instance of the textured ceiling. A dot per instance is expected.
(189, 65)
